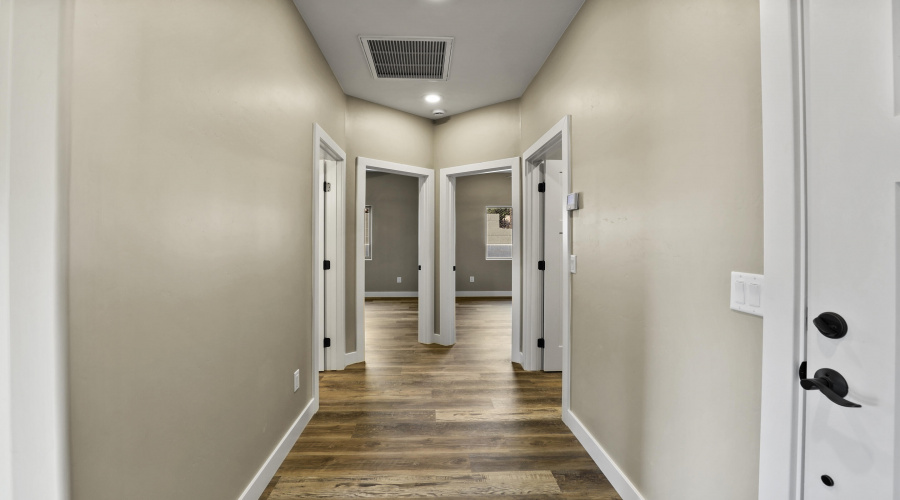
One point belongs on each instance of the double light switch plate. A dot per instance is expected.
(746, 293)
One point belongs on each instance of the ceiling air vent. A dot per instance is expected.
(406, 57)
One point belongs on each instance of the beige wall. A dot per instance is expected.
(665, 104)
(484, 134)
(380, 133)
(395, 243)
(191, 222)
(190, 240)
(473, 194)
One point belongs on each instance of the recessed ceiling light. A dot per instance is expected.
(433, 98)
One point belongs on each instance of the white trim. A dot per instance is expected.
(624, 487)
(780, 466)
(561, 132)
(335, 354)
(270, 466)
(476, 293)
(368, 216)
(6, 463)
(447, 333)
(35, 63)
(370, 295)
(353, 357)
(425, 245)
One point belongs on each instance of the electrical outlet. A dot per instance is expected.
(399, 279)
(296, 380)
(471, 279)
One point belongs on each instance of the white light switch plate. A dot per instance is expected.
(746, 292)
(296, 380)
(573, 264)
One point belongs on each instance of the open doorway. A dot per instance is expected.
(450, 232)
(546, 250)
(329, 174)
(385, 265)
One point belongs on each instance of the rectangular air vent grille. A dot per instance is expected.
(413, 58)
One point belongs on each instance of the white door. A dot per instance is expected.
(329, 253)
(554, 265)
(853, 169)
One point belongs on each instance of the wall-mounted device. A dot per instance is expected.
(572, 200)
(746, 292)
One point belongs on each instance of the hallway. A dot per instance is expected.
(424, 421)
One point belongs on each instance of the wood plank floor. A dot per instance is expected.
(426, 421)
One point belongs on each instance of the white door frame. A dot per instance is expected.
(34, 214)
(784, 174)
(335, 354)
(560, 133)
(425, 244)
(447, 335)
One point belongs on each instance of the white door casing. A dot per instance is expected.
(329, 165)
(447, 333)
(557, 141)
(556, 265)
(35, 107)
(426, 248)
(853, 202)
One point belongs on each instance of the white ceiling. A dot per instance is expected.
(498, 47)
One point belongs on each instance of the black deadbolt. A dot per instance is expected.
(826, 479)
(832, 325)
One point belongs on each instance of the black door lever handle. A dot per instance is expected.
(832, 384)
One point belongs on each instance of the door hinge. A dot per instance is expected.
(542, 186)
(420, 268)
(541, 343)
(802, 371)
(326, 187)
(326, 265)
(327, 342)
(454, 268)
(541, 265)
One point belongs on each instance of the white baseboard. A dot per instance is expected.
(259, 482)
(483, 294)
(612, 472)
(353, 357)
(392, 294)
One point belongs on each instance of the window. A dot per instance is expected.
(498, 233)
(368, 232)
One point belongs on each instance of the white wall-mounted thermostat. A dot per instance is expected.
(572, 201)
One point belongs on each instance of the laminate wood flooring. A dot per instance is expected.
(427, 421)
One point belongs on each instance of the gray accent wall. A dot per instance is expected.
(473, 194)
(395, 218)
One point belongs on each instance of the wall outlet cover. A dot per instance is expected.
(471, 279)
(399, 279)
